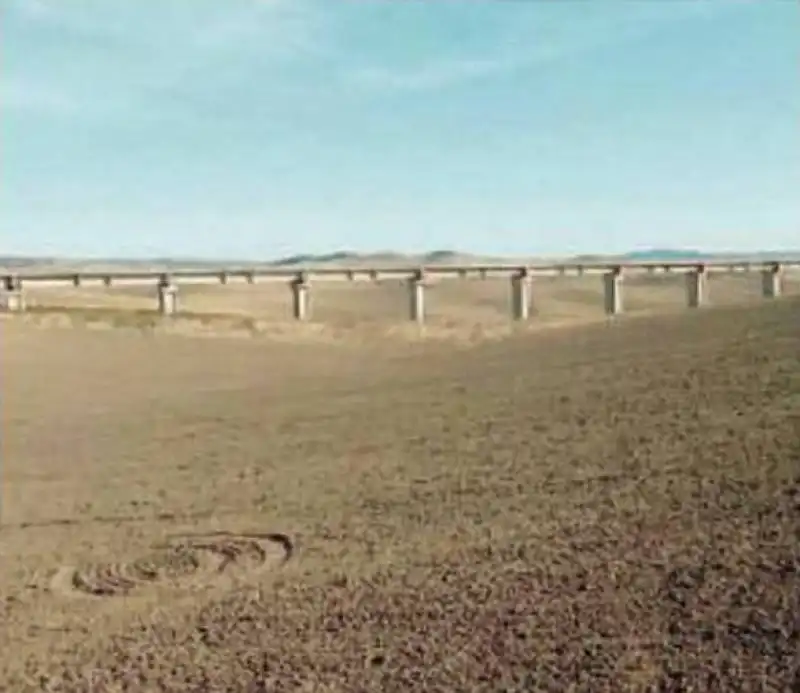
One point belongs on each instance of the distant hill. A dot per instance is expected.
(681, 255)
(666, 254)
(387, 257)
(677, 255)
(349, 258)
(648, 255)
(443, 257)
(307, 259)
(14, 262)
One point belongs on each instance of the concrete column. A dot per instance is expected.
(300, 297)
(696, 287)
(167, 296)
(13, 298)
(416, 288)
(771, 281)
(520, 295)
(612, 284)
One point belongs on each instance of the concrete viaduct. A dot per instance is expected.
(521, 277)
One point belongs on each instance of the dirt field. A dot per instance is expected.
(611, 507)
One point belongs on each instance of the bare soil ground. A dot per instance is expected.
(611, 507)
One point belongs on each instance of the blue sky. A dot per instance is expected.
(259, 128)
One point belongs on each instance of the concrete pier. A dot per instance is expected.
(13, 298)
(520, 295)
(771, 281)
(301, 290)
(416, 289)
(612, 285)
(696, 281)
(167, 296)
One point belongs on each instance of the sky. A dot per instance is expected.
(263, 128)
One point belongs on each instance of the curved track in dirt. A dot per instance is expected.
(180, 558)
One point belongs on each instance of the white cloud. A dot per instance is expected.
(19, 96)
(277, 28)
(432, 75)
(526, 50)
(31, 9)
(126, 56)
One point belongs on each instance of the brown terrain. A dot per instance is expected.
(608, 506)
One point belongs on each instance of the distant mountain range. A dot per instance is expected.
(354, 259)
(683, 255)
(388, 257)
(664, 254)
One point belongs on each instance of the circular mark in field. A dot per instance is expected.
(252, 550)
(180, 558)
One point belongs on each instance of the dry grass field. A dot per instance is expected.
(603, 507)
